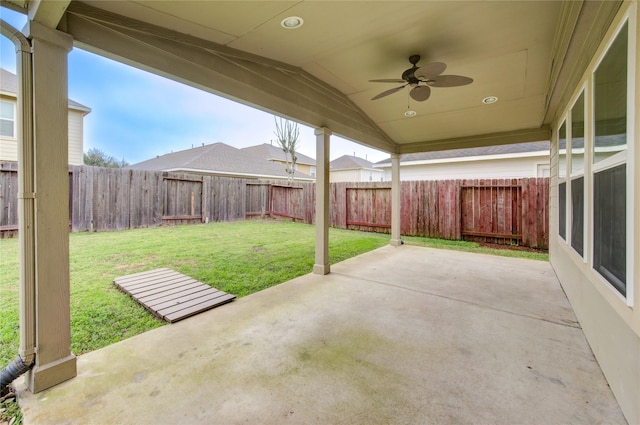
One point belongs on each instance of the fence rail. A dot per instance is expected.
(499, 211)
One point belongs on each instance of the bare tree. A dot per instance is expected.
(287, 134)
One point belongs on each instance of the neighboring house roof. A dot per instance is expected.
(275, 153)
(217, 158)
(349, 162)
(515, 149)
(9, 87)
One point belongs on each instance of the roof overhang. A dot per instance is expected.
(530, 54)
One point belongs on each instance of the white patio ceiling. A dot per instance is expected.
(523, 52)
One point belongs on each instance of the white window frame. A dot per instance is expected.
(572, 174)
(623, 157)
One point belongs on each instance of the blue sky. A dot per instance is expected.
(137, 115)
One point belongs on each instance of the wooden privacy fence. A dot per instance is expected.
(116, 199)
(503, 211)
(8, 199)
(499, 211)
(275, 199)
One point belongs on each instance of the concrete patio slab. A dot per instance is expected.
(400, 335)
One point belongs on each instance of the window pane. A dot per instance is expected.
(562, 210)
(610, 96)
(7, 119)
(577, 211)
(6, 110)
(610, 226)
(562, 184)
(562, 152)
(6, 128)
(577, 136)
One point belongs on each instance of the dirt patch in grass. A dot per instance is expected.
(513, 248)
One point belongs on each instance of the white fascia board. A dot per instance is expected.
(274, 159)
(8, 96)
(80, 109)
(355, 168)
(233, 174)
(470, 158)
(48, 13)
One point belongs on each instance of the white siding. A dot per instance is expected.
(8, 149)
(76, 138)
(344, 176)
(355, 175)
(493, 168)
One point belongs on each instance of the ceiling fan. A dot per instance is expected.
(421, 79)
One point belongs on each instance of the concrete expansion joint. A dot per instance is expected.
(569, 324)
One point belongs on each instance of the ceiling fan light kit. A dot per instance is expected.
(421, 79)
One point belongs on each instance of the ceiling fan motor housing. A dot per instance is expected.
(409, 75)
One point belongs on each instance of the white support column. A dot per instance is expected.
(321, 265)
(54, 362)
(395, 200)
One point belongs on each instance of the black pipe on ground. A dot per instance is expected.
(12, 371)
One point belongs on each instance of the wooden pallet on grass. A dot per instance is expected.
(170, 295)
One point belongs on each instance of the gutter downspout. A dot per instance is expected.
(26, 208)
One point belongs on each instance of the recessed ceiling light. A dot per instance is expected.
(292, 22)
(489, 100)
(410, 114)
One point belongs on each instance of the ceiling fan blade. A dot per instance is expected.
(449, 81)
(430, 70)
(420, 93)
(388, 92)
(388, 80)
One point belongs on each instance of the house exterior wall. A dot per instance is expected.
(303, 168)
(356, 175)
(610, 320)
(477, 168)
(8, 149)
(9, 145)
(76, 137)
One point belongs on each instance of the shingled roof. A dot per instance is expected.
(349, 162)
(216, 158)
(515, 148)
(275, 153)
(9, 86)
